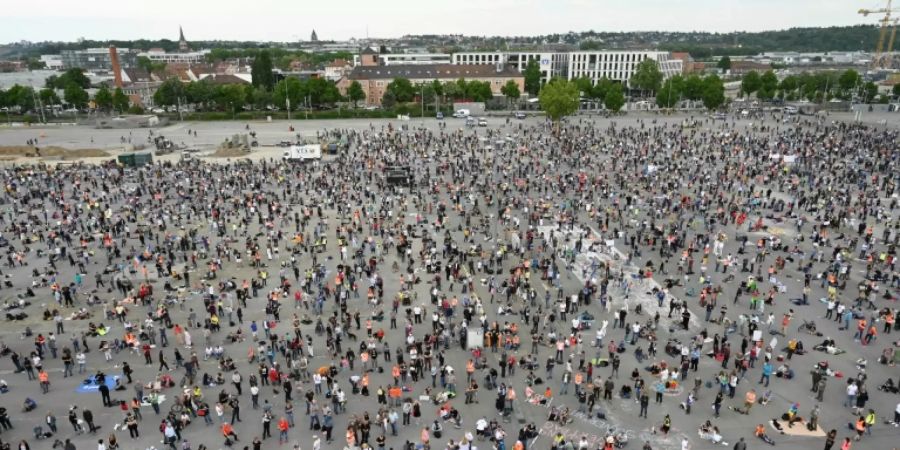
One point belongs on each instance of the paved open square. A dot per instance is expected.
(643, 281)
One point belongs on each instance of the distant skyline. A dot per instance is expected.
(283, 21)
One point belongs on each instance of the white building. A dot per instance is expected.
(52, 62)
(550, 64)
(396, 59)
(614, 65)
(159, 55)
(618, 65)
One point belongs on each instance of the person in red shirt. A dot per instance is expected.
(283, 427)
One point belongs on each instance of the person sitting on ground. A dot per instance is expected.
(760, 432)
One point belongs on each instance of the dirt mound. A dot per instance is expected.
(224, 152)
(51, 152)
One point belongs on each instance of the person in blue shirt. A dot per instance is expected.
(766, 372)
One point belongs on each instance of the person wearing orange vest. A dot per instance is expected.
(395, 393)
(470, 369)
(873, 331)
(44, 379)
(228, 431)
(860, 329)
(888, 322)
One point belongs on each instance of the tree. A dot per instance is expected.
(169, 92)
(292, 89)
(322, 91)
(74, 75)
(48, 97)
(257, 96)
(614, 99)
(21, 97)
(896, 90)
(789, 83)
(598, 92)
(120, 100)
(584, 84)
(388, 100)
(151, 67)
(751, 82)
(768, 85)
(510, 90)
(261, 70)
(724, 64)
(848, 80)
(559, 98)
(355, 93)
(693, 88)
(668, 94)
(479, 91)
(401, 89)
(103, 98)
(75, 95)
(869, 91)
(230, 97)
(647, 76)
(199, 93)
(713, 92)
(532, 76)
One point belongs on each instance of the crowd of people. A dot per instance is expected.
(531, 257)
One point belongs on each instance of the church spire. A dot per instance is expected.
(182, 42)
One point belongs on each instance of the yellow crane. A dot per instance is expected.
(882, 56)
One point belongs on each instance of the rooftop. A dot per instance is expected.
(419, 71)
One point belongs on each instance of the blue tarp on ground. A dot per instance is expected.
(110, 382)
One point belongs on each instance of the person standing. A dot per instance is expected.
(645, 402)
(283, 427)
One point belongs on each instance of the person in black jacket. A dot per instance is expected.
(88, 417)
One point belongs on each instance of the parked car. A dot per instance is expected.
(462, 114)
(439, 115)
(519, 115)
(482, 122)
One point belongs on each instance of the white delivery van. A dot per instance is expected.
(462, 113)
(303, 152)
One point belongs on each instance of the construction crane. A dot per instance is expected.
(882, 57)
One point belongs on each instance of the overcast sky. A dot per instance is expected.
(284, 20)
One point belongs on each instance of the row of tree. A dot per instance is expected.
(25, 99)
(820, 86)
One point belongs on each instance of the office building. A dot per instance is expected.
(96, 59)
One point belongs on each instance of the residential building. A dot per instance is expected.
(337, 69)
(375, 79)
(688, 65)
(97, 59)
